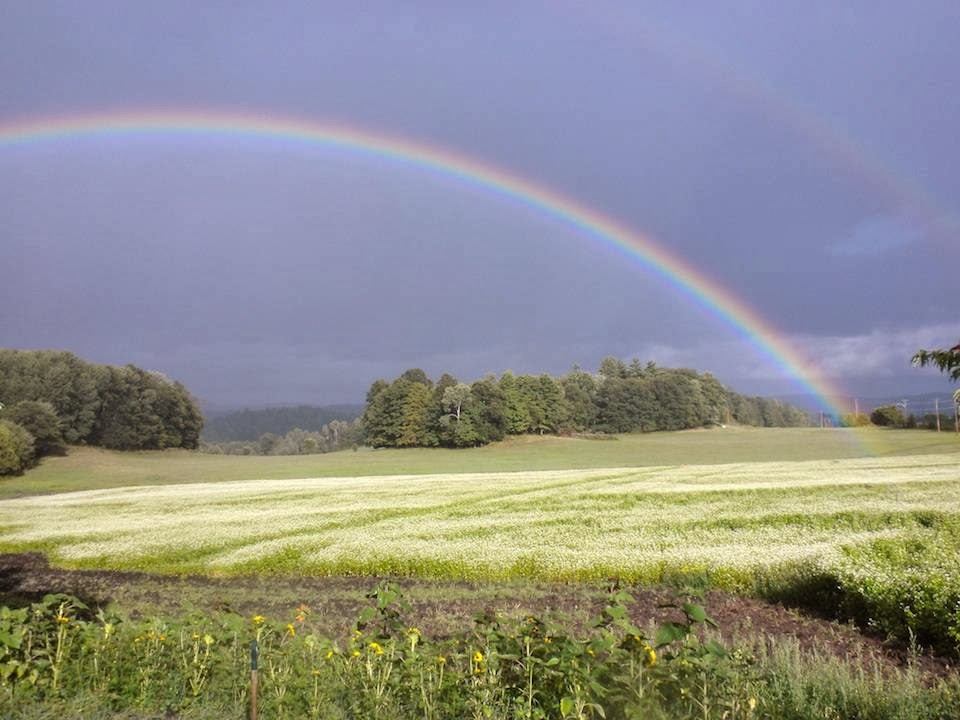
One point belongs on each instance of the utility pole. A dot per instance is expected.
(936, 409)
(856, 408)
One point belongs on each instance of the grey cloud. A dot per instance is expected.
(799, 156)
(876, 236)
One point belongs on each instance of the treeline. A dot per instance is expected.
(59, 399)
(332, 436)
(893, 416)
(252, 424)
(413, 411)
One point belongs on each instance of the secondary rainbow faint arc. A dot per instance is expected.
(592, 223)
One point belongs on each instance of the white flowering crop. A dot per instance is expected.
(731, 521)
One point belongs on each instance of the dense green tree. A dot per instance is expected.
(141, 410)
(119, 407)
(416, 375)
(516, 414)
(580, 392)
(16, 448)
(888, 416)
(416, 423)
(679, 403)
(60, 378)
(376, 419)
(266, 443)
(620, 398)
(39, 418)
(619, 404)
(714, 400)
(488, 406)
(611, 367)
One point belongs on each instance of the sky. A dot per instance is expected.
(803, 156)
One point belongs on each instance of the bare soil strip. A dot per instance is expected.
(437, 607)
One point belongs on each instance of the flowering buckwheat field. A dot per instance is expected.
(740, 524)
(875, 540)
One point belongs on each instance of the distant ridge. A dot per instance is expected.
(250, 424)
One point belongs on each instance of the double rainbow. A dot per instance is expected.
(586, 221)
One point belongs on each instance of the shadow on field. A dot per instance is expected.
(24, 580)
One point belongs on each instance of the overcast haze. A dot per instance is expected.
(803, 155)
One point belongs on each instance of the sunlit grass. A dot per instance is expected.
(90, 468)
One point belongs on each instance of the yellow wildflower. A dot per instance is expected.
(356, 653)
(196, 636)
(258, 619)
(291, 630)
(651, 656)
(441, 660)
(376, 648)
(208, 639)
(752, 702)
(62, 619)
(478, 657)
(316, 673)
(329, 654)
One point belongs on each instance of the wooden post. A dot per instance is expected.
(254, 661)
(936, 409)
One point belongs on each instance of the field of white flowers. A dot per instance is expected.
(731, 521)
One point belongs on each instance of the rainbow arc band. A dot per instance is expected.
(638, 247)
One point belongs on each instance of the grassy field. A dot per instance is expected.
(805, 516)
(92, 468)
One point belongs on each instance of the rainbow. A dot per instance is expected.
(742, 84)
(586, 221)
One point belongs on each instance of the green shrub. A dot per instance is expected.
(41, 421)
(16, 448)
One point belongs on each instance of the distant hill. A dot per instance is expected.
(251, 424)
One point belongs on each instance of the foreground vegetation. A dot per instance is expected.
(58, 658)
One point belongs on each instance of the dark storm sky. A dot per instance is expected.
(804, 155)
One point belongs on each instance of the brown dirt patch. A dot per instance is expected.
(437, 607)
